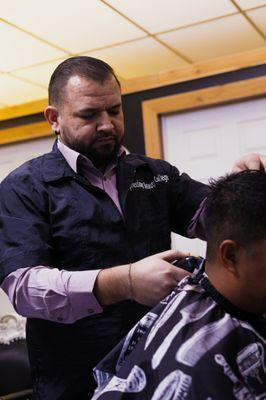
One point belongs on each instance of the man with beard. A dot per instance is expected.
(85, 239)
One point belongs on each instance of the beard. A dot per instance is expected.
(100, 151)
(104, 154)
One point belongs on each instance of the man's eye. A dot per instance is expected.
(114, 112)
(87, 116)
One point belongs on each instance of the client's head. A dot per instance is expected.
(236, 239)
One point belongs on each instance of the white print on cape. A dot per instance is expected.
(166, 314)
(191, 313)
(141, 326)
(102, 378)
(174, 386)
(203, 340)
(134, 383)
(150, 185)
(240, 391)
(172, 303)
(182, 285)
(251, 365)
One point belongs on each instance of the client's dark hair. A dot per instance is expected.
(236, 210)
(83, 66)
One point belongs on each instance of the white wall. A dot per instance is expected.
(11, 156)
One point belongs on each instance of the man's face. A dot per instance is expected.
(90, 118)
(252, 277)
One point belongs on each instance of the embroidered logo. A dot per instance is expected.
(150, 185)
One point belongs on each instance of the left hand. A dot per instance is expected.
(250, 161)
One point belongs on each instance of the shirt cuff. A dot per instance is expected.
(80, 289)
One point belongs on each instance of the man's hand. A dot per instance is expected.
(147, 281)
(154, 277)
(250, 161)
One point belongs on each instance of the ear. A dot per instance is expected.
(229, 255)
(51, 114)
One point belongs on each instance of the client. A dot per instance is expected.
(207, 339)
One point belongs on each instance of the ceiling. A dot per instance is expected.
(137, 37)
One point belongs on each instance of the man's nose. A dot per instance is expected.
(105, 122)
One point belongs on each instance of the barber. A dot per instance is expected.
(86, 231)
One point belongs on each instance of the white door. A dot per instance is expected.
(206, 143)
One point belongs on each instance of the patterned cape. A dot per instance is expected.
(193, 345)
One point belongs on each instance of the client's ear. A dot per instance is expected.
(229, 254)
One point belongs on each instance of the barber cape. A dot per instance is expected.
(193, 345)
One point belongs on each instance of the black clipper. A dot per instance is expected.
(192, 264)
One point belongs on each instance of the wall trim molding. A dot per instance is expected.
(25, 132)
(196, 99)
(22, 110)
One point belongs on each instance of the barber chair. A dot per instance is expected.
(15, 379)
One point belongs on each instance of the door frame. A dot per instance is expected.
(216, 95)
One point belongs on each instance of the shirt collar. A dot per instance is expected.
(71, 156)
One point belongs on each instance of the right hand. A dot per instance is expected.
(155, 277)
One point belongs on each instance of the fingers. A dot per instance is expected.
(153, 278)
(236, 169)
(254, 162)
(171, 255)
(250, 161)
(179, 274)
(263, 163)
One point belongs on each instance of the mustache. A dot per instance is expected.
(103, 135)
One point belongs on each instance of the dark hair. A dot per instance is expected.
(236, 210)
(83, 66)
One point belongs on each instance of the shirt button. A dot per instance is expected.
(90, 310)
